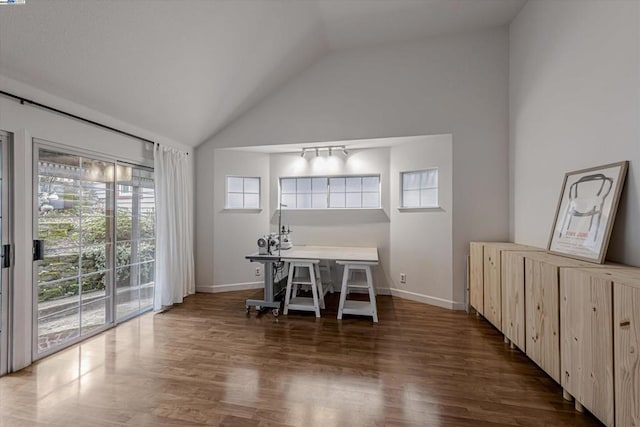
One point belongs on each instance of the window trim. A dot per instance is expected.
(401, 206)
(328, 192)
(242, 209)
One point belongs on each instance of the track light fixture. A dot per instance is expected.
(330, 149)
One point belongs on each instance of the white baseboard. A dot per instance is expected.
(426, 299)
(460, 306)
(212, 289)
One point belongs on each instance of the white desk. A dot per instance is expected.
(330, 253)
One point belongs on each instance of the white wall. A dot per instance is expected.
(26, 122)
(574, 103)
(448, 85)
(421, 240)
(221, 265)
(418, 243)
(57, 128)
(343, 227)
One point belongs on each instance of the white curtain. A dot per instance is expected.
(174, 229)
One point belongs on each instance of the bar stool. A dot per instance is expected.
(303, 280)
(324, 274)
(292, 300)
(363, 308)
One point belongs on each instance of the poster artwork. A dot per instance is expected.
(586, 211)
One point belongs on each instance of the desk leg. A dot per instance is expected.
(268, 282)
(268, 301)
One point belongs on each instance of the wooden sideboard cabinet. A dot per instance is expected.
(599, 328)
(486, 277)
(578, 321)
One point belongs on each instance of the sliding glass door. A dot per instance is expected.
(135, 241)
(5, 229)
(80, 271)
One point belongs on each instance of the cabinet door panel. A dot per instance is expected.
(476, 273)
(492, 286)
(626, 336)
(587, 341)
(513, 284)
(542, 316)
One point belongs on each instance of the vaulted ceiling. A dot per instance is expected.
(184, 69)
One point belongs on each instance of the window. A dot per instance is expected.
(419, 189)
(322, 192)
(124, 190)
(243, 192)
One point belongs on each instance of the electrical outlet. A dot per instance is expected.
(403, 278)
(258, 271)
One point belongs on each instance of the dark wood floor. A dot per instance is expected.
(206, 362)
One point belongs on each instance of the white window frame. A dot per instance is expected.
(226, 193)
(401, 204)
(328, 191)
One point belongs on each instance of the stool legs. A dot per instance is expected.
(372, 294)
(328, 284)
(314, 291)
(287, 297)
(364, 308)
(292, 301)
(343, 291)
(320, 289)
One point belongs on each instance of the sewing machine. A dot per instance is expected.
(273, 242)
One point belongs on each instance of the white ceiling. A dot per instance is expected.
(184, 69)
(351, 144)
(354, 23)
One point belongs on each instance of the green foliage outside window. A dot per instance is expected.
(70, 231)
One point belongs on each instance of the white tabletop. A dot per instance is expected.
(333, 253)
(341, 253)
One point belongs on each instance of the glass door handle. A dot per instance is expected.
(38, 250)
(6, 256)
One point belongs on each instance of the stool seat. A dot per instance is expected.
(363, 308)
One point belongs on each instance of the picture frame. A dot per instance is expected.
(586, 212)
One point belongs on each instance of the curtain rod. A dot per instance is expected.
(73, 116)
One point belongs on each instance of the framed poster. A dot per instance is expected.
(586, 211)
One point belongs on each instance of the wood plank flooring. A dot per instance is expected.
(206, 362)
